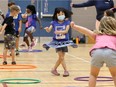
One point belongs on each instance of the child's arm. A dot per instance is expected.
(39, 21)
(83, 30)
(3, 28)
(48, 29)
(64, 31)
(20, 26)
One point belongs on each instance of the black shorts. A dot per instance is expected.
(62, 49)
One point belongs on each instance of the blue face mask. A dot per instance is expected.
(61, 17)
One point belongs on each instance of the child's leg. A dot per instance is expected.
(113, 73)
(63, 62)
(26, 40)
(93, 76)
(13, 55)
(5, 54)
(30, 35)
(17, 43)
(59, 61)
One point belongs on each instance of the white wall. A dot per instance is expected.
(4, 8)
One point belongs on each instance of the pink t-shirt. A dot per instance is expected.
(104, 41)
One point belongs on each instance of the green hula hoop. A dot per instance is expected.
(11, 81)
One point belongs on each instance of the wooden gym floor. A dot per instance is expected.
(77, 60)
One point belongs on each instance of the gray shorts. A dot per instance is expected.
(101, 56)
(62, 49)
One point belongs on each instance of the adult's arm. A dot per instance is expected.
(84, 4)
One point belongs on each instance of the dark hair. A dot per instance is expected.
(10, 4)
(32, 8)
(110, 13)
(61, 9)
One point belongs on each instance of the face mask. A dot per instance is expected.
(28, 14)
(61, 18)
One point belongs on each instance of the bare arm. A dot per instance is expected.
(64, 31)
(84, 30)
(48, 29)
(39, 21)
(84, 4)
(3, 28)
(20, 26)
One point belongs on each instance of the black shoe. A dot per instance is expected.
(17, 52)
(13, 63)
(46, 47)
(4, 63)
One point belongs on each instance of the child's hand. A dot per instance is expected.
(71, 4)
(24, 15)
(72, 24)
(46, 28)
(57, 32)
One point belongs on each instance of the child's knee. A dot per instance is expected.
(61, 58)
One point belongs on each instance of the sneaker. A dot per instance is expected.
(34, 43)
(5, 63)
(13, 63)
(66, 73)
(29, 48)
(17, 52)
(46, 47)
(55, 72)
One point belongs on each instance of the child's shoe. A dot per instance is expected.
(17, 52)
(66, 74)
(5, 63)
(13, 63)
(55, 72)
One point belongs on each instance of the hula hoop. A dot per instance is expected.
(87, 79)
(17, 67)
(28, 81)
(1, 56)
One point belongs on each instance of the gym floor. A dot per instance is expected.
(77, 60)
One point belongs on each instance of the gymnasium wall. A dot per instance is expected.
(84, 16)
(4, 8)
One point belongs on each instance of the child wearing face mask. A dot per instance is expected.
(30, 26)
(60, 27)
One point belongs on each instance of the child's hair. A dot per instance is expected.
(61, 9)
(110, 13)
(32, 8)
(14, 8)
(10, 4)
(107, 26)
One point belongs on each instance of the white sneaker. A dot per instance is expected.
(29, 48)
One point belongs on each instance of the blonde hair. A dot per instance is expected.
(107, 26)
(14, 8)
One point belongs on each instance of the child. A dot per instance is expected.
(9, 36)
(104, 50)
(18, 25)
(31, 25)
(60, 27)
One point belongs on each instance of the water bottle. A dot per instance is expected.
(46, 6)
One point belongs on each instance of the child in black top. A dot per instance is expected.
(9, 35)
